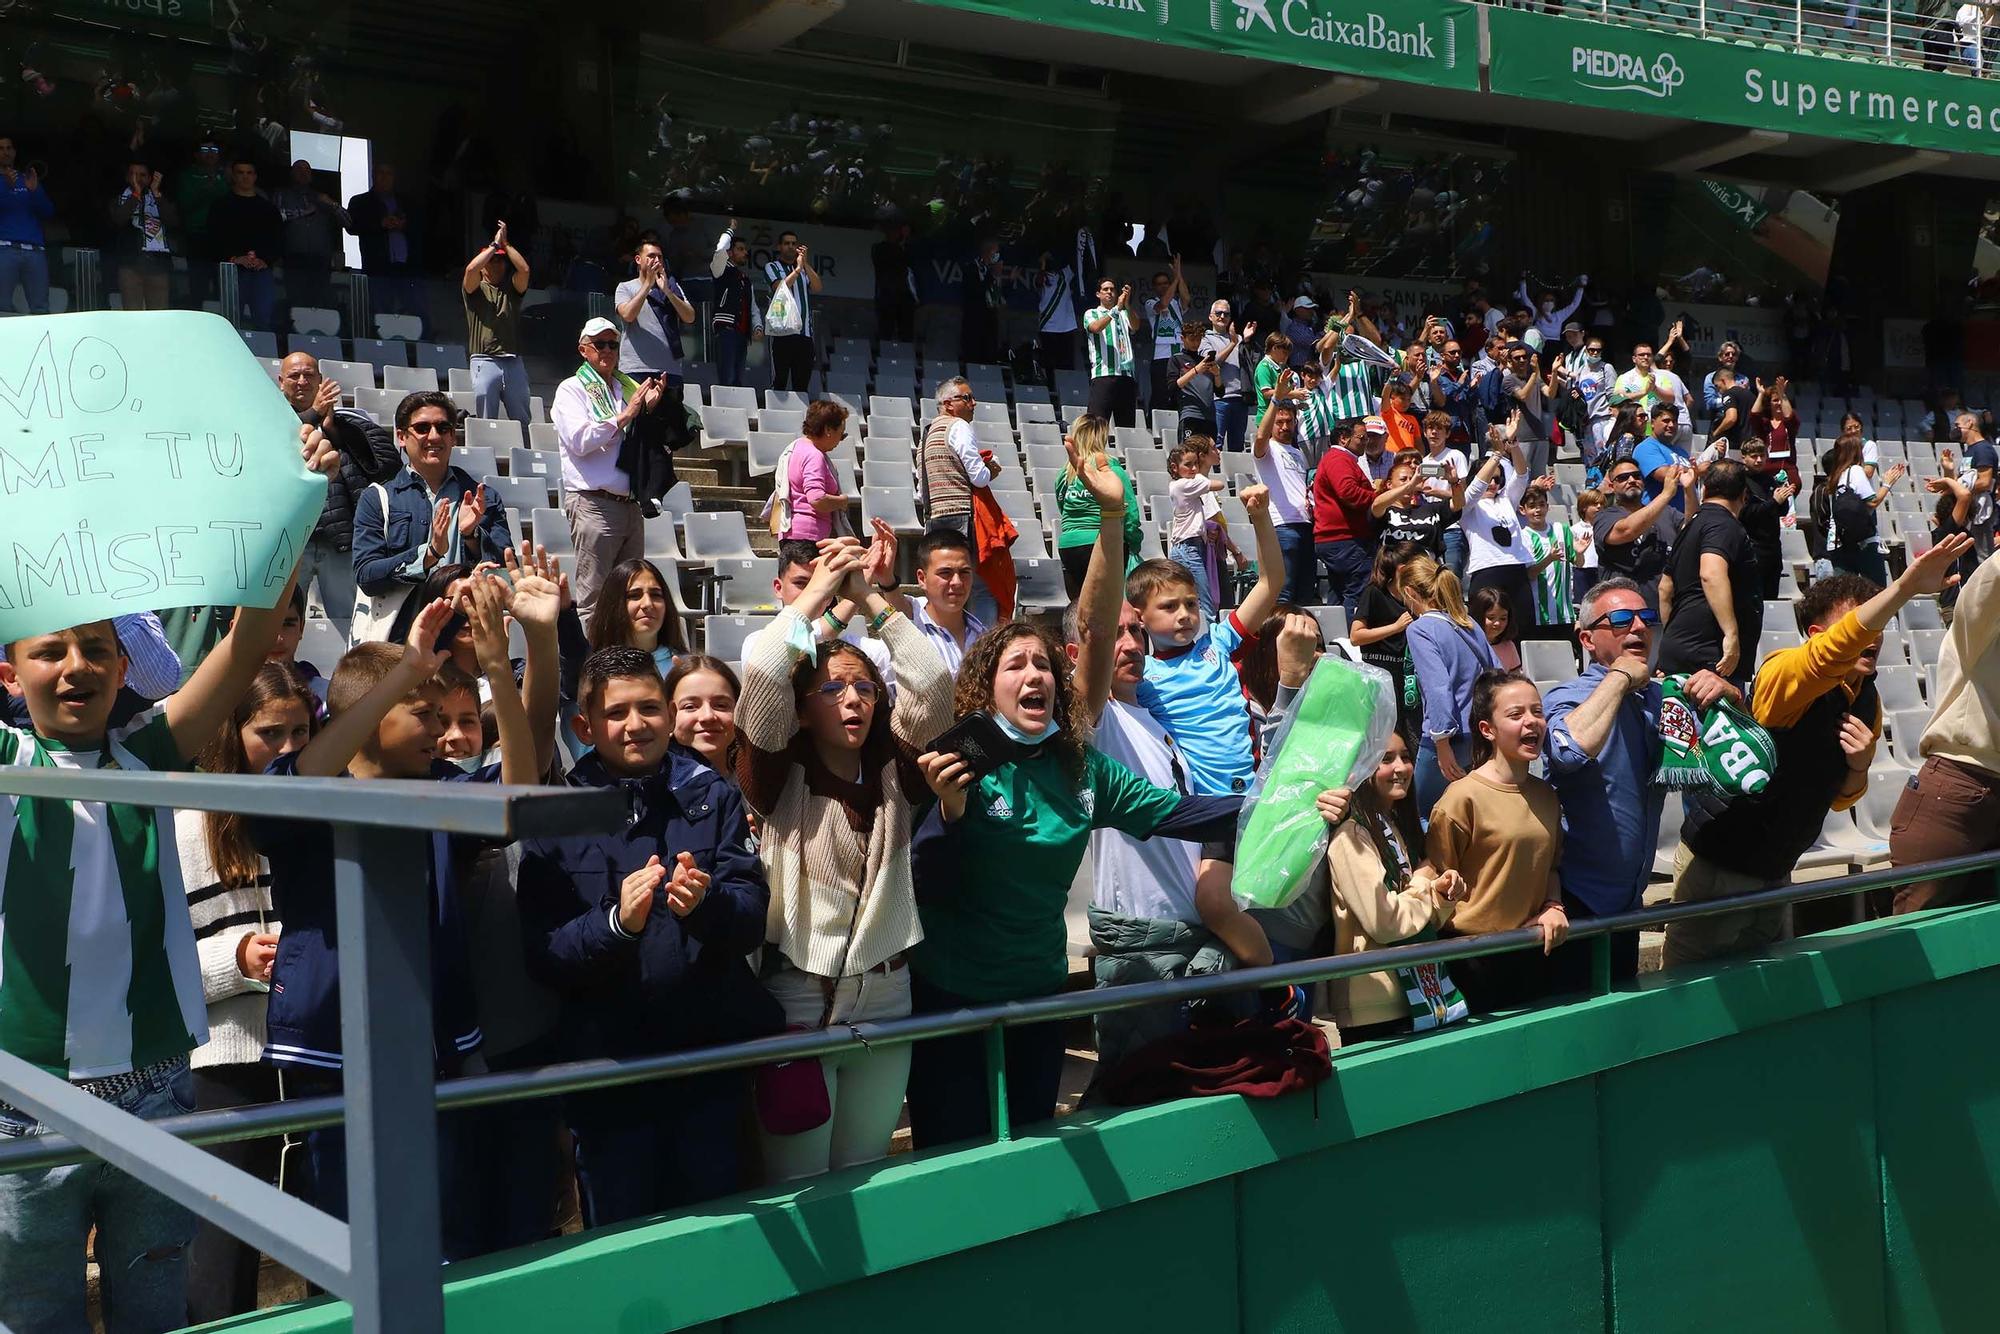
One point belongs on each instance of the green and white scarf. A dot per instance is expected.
(1552, 581)
(1724, 752)
(1434, 999)
(603, 406)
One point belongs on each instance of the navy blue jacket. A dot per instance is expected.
(304, 1014)
(384, 551)
(681, 982)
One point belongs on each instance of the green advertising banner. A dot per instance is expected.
(1632, 69)
(1418, 41)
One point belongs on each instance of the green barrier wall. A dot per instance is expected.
(1809, 1142)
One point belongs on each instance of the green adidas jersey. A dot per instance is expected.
(98, 970)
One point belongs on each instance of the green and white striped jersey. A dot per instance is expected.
(1553, 602)
(98, 969)
(1111, 346)
(1357, 388)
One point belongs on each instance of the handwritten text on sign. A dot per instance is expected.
(146, 461)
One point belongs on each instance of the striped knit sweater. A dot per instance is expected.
(824, 839)
(222, 917)
(945, 479)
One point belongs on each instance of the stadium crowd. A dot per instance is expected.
(878, 806)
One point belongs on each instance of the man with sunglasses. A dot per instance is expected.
(431, 513)
(592, 411)
(1604, 747)
(1232, 396)
(1633, 534)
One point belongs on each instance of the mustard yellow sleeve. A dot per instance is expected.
(1792, 678)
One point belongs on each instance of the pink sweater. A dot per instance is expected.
(811, 476)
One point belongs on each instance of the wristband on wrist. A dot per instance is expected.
(837, 625)
(880, 619)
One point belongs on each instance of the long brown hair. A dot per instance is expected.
(1845, 454)
(982, 664)
(1369, 810)
(878, 748)
(611, 624)
(229, 848)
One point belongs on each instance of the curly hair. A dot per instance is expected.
(982, 664)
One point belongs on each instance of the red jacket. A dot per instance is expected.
(1342, 494)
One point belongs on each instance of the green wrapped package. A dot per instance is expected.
(1338, 729)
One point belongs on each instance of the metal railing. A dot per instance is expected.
(379, 831)
(385, 1260)
(1912, 33)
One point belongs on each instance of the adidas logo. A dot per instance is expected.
(1000, 810)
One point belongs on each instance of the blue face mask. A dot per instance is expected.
(1021, 738)
(471, 764)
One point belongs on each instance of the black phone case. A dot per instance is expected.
(978, 741)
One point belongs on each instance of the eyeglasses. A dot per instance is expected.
(1595, 351)
(429, 428)
(605, 344)
(831, 691)
(959, 398)
(1621, 619)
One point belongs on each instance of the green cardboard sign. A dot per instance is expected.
(1424, 41)
(1692, 78)
(146, 461)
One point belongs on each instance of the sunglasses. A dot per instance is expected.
(1595, 350)
(605, 344)
(831, 691)
(1622, 619)
(429, 428)
(1623, 477)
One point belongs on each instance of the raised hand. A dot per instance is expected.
(538, 600)
(318, 452)
(1932, 572)
(687, 887)
(471, 510)
(1298, 647)
(441, 528)
(1256, 500)
(948, 776)
(1104, 485)
(878, 567)
(419, 650)
(326, 398)
(635, 895)
(484, 603)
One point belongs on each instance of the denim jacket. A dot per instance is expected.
(389, 550)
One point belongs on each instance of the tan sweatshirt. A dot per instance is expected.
(1369, 913)
(1505, 841)
(1966, 724)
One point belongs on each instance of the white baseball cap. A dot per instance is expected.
(597, 325)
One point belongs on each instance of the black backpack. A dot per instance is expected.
(1851, 518)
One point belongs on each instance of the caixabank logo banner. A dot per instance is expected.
(1362, 27)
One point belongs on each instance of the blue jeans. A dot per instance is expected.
(498, 379)
(258, 291)
(1193, 557)
(28, 270)
(1348, 565)
(1232, 418)
(142, 1236)
(1454, 550)
(732, 349)
(654, 1147)
(1430, 780)
(335, 571)
(1301, 581)
(948, 1075)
